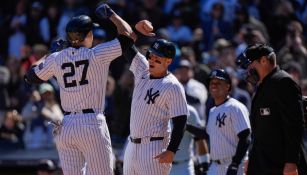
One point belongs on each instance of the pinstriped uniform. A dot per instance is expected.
(224, 123)
(82, 75)
(154, 103)
(183, 162)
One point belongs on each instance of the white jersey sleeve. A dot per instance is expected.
(177, 101)
(240, 119)
(139, 65)
(193, 118)
(45, 70)
(108, 51)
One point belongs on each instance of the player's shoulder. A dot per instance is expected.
(234, 104)
(171, 80)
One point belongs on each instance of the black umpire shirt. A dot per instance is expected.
(277, 125)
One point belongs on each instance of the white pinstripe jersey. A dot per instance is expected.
(224, 123)
(154, 101)
(187, 142)
(81, 74)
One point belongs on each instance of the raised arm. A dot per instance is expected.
(123, 28)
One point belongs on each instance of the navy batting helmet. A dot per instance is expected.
(78, 27)
(162, 48)
(219, 74)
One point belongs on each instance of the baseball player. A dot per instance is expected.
(228, 128)
(183, 163)
(81, 72)
(158, 97)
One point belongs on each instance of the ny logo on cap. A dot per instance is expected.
(156, 45)
(214, 73)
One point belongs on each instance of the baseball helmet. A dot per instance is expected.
(219, 74)
(252, 53)
(162, 48)
(78, 27)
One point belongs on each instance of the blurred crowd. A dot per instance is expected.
(208, 33)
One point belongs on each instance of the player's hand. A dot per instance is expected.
(232, 169)
(104, 11)
(245, 166)
(290, 169)
(165, 157)
(145, 27)
(58, 45)
(203, 167)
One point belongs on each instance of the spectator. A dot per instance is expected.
(11, 132)
(178, 31)
(215, 26)
(294, 48)
(4, 96)
(196, 92)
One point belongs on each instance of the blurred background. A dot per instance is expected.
(208, 34)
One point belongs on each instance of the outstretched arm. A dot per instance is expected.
(123, 28)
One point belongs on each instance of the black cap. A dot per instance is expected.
(46, 165)
(163, 48)
(219, 74)
(252, 53)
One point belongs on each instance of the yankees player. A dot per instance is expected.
(81, 72)
(183, 163)
(158, 97)
(228, 127)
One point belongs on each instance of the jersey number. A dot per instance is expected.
(72, 72)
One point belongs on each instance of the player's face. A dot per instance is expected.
(218, 88)
(158, 65)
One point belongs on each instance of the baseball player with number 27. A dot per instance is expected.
(81, 72)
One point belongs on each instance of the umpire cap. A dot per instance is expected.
(78, 27)
(162, 48)
(252, 53)
(219, 74)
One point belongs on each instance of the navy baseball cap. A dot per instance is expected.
(252, 53)
(163, 48)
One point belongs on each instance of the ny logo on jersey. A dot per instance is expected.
(151, 96)
(220, 120)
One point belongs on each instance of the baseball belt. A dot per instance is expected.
(84, 111)
(139, 140)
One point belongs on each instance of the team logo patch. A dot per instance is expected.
(265, 111)
(40, 66)
(151, 96)
(220, 120)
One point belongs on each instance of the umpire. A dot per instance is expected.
(276, 116)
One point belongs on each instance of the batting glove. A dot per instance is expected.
(232, 169)
(58, 45)
(104, 11)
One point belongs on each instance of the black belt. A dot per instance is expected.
(84, 111)
(217, 161)
(139, 140)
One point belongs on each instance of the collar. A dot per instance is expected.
(227, 98)
(266, 78)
